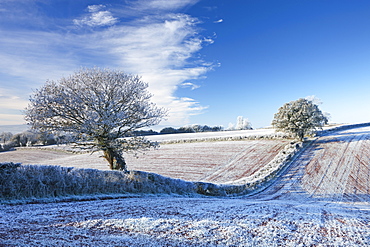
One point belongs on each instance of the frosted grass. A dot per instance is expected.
(166, 221)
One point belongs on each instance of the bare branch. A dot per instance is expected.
(100, 105)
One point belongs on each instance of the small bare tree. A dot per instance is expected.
(100, 107)
(299, 118)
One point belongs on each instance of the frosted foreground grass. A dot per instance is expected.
(168, 221)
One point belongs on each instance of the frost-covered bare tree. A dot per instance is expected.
(241, 124)
(299, 118)
(100, 107)
(5, 136)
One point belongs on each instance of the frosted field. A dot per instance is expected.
(199, 161)
(216, 162)
(321, 199)
(166, 221)
(212, 161)
(336, 166)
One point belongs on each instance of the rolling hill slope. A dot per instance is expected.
(335, 166)
(299, 208)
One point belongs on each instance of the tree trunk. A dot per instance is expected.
(116, 161)
(301, 135)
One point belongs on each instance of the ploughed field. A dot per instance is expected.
(215, 162)
(335, 166)
(320, 199)
(209, 161)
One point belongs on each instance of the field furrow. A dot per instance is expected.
(300, 208)
(335, 166)
(216, 162)
(247, 162)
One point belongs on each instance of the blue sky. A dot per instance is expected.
(207, 61)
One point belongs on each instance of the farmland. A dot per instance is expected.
(335, 166)
(321, 198)
(216, 162)
(211, 161)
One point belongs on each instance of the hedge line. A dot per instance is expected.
(36, 181)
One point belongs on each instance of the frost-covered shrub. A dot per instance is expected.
(209, 189)
(34, 181)
(6, 166)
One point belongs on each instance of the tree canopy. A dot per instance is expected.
(100, 107)
(299, 118)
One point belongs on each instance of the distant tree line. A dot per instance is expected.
(28, 138)
(191, 129)
(170, 130)
(9, 140)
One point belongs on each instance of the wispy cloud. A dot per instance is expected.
(161, 5)
(162, 49)
(9, 107)
(35, 55)
(97, 17)
(160, 44)
(9, 101)
(191, 85)
(11, 119)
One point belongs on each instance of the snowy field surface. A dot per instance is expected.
(335, 166)
(216, 162)
(209, 161)
(320, 199)
(166, 221)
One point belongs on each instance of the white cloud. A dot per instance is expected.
(162, 5)
(95, 8)
(162, 48)
(191, 85)
(98, 17)
(34, 56)
(11, 119)
(219, 21)
(12, 102)
(161, 51)
(10, 108)
(181, 109)
(314, 99)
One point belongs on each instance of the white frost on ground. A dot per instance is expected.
(209, 135)
(166, 221)
(285, 214)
